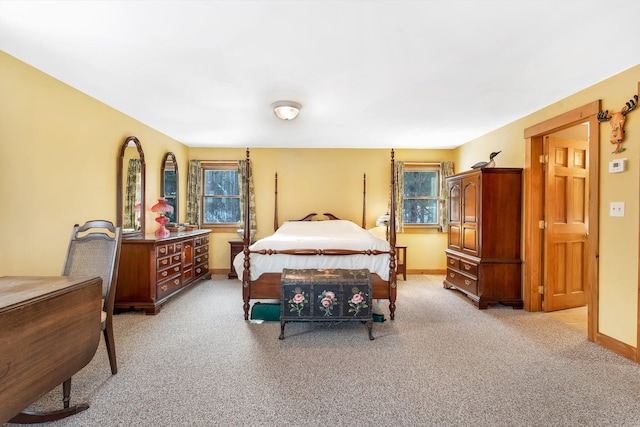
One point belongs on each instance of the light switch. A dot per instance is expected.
(616, 209)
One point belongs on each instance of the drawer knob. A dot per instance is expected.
(164, 274)
(467, 267)
(163, 288)
(176, 281)
(176, 269)
(467, 282)
(452, 275)
(163, 250)
(451, 261)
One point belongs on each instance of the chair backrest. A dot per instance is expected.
(94, 250)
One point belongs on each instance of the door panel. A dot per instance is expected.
(470, 210)
(566, 210)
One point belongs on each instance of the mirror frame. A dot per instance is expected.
(170, 157)
(120, 186)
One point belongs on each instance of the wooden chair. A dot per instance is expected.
(94, 250)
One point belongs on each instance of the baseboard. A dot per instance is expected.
(417, 271)
(617, 346)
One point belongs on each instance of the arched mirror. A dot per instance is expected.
(169, 184)
(131, 189)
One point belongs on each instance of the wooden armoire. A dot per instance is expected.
(483, 250)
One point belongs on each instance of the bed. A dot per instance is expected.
(313, 242)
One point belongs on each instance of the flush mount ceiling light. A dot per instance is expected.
(286, 110)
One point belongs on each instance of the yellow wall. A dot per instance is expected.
(60, 149)
(59, 157)
(618, 249)
(327, 180)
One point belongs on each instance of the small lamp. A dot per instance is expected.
(383, 221)
(162, 207)
(286, 110)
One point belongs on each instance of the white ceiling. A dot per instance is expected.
(401, 74)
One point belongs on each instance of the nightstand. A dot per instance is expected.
(236, 246)
(401, 260)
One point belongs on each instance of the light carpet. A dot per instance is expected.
(441, 362)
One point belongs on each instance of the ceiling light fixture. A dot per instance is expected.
(286, 110)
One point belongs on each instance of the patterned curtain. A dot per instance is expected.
(399, 191)
(134, 172)
(446, 169)
(242, 167)
(194, 191)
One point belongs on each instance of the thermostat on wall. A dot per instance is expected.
(618, 165)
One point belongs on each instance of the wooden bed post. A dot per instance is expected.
(392, 239)
(364, 202)
(246, 274)
(275, 208)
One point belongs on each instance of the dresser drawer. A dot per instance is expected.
(163, 250)
(167, 287)
(453, 262)
(202, 259)
(463, 282)
(201, 241)
(168, 261)
(469, 268)
(168, 272)
(201, 269)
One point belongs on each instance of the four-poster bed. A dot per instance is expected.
(305, 243)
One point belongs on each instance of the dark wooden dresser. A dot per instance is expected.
(153, 270)
(483, 250)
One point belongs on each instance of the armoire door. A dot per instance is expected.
(470, 213)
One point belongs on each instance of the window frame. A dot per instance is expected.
(217, 165)
(424, 167)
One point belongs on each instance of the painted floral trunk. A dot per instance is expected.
(325, 295)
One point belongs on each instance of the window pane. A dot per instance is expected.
(420, 211)
(420, 184)
(221, 183)
(221, 210)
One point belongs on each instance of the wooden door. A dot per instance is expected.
(566, 223)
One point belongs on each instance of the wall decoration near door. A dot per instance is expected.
(617, 123)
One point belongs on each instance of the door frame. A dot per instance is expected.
(534, 185)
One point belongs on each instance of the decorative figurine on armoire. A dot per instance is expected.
(490, 164)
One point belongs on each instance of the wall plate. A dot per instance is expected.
(618, 165)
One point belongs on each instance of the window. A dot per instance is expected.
(220, 193)
(421, 194)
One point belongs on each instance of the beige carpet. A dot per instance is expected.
(442, 362)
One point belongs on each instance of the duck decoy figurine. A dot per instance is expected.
(491, 163)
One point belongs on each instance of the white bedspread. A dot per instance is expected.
(334, 234)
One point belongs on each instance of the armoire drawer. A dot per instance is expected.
(463, 282)
(453, 262)
(469, 268)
